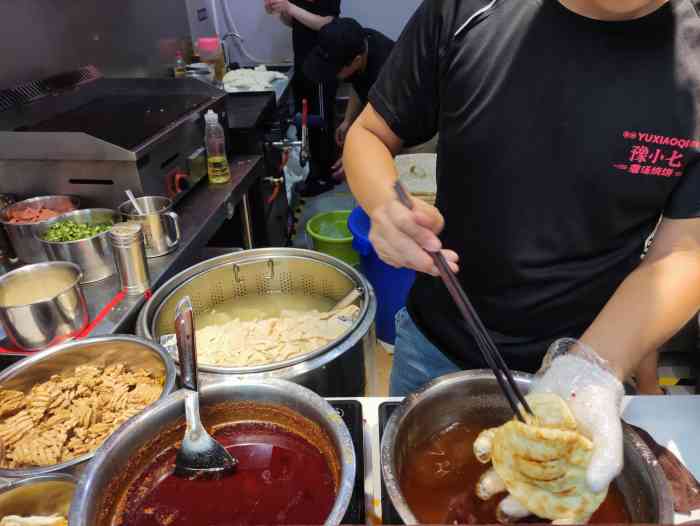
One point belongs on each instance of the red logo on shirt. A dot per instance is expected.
(656, 155)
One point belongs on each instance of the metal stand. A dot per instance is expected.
(246, 223)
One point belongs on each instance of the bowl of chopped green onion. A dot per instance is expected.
(81, 237)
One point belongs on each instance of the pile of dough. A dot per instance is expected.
(239, 343)
(541, 464)
(258, 79)
(14, 520)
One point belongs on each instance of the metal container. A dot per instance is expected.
(337, 369)
(42, 304)
(94, 254)
(27, 248)
(93, 496)
(43, 495)
(474, 397)
(129, 350)
(161, 226)
(130, 257)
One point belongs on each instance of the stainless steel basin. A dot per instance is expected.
(474, 396)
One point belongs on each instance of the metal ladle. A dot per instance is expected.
(134, 202)
(199, 454)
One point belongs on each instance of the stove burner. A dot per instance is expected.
(389, 513)
(351, 413)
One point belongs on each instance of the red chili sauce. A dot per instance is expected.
(439, 479)
(280, 479)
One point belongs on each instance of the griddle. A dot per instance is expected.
(124, 120)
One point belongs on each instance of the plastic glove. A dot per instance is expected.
(583, 379)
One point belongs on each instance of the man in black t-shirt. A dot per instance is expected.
(306, 18)
(566, 128)
(347, 51)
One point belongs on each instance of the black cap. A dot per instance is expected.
(339, 42)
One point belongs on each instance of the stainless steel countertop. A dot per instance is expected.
(202, 212)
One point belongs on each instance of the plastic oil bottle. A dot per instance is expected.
(217, 163)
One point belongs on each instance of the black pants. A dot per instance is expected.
(323, 149)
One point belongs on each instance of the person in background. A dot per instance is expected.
(550, 179)
(347, 51)
(306, 18)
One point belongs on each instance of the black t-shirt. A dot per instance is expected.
(303, 38)
(562, 140)
(379, 48)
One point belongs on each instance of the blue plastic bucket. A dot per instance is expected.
(391, 285)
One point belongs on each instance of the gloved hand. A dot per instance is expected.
(593, 393)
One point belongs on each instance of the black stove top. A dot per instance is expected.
(124, 120)
(389, 513)
(351, 413)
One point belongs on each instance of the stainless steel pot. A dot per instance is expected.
(474, 396)
(94, 254)
(161, 226)
(27, 248)
(95, 496)
(42, 304)
(129, 350)
(43, 495)
(337, 369)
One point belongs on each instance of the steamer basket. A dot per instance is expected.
(281, 271)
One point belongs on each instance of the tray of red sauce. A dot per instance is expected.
(282, 478)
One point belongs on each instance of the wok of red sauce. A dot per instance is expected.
(439, 477)
(281, 479)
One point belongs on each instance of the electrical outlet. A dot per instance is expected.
(202, 14)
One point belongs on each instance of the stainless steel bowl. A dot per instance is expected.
(42, 304)
(94, 494)
(337, 369)
(474, 396)
(27, 248)
(42, 495)
(102, 352)
(93, 254)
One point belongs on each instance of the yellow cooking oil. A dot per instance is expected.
(217, 169)
(215, 140)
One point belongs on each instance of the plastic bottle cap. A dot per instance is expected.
(211, 116)
(209, 44)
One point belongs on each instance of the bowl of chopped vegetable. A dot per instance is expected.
(81, 238)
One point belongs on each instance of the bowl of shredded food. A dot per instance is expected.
(81, 237)
(58, 406)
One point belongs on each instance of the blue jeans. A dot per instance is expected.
(416, 360)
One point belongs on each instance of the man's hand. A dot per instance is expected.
(279, 7)
(341, 132)
(268, 7)
(401, 236)
(338, 170)
(594, 394)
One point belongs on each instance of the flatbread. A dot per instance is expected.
(543, 462)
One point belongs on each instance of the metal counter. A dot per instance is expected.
(202, 212)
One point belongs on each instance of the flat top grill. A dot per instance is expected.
(124, 120)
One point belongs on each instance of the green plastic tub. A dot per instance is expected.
(329, 234)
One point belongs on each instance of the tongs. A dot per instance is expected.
(483, 339)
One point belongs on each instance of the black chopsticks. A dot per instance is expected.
(483, 339)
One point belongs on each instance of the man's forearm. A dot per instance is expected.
(368, 158)
(308, 19)
(354, 108)
(650, 306)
